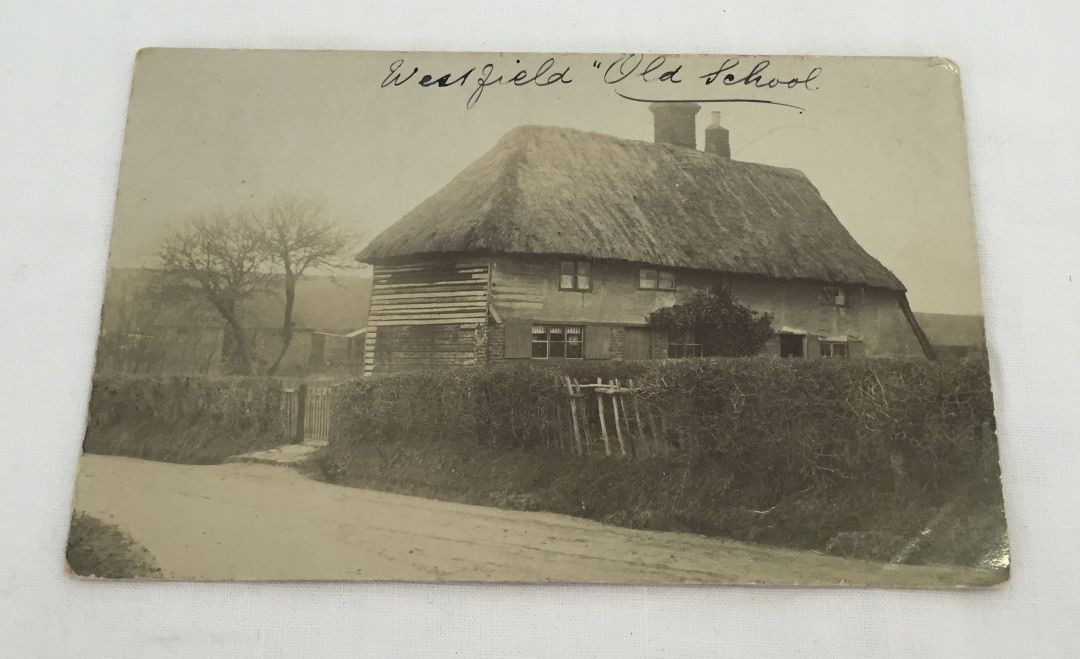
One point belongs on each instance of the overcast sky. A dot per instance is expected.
(881, 139)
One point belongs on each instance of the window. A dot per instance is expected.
(650, 279)
(683, 345)
(834, 349)
(557, 341)
(834, 295)
(575, 275)
(719, 285)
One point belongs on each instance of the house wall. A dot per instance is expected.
(872, 315)
(525, 287)
(436, 312)
(526, 290)
(426, 314)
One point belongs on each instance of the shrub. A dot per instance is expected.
(186, 419)
(724, 327)
(97, 549)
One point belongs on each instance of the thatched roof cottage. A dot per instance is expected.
(557, 243)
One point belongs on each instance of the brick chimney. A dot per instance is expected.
(716, 138)
(673, 123)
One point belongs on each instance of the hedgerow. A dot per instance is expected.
(795, 422)
(849, 456)
(186, 419)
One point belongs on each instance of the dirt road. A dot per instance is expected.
(248, 521)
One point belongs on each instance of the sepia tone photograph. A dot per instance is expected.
(600, 318)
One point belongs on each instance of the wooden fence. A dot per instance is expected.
(305, 413)
(607, 416)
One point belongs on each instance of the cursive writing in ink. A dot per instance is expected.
(487, 76)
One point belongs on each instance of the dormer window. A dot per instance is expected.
(652, 279)
(575, 276)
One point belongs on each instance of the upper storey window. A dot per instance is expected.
(834, 295)
(652, 279)
(575, 276)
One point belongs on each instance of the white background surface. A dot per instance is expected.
(64, 76)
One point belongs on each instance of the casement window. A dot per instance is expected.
(652, 279)
(685, 344)
(834, 295)
(557, 341)
(575, 275)
(834, 348)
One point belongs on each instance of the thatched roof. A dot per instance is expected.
(544, 190)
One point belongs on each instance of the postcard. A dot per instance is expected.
(496, 317)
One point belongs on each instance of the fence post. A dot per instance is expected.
(616, 403)
(301, 411)
(637, 417)
(574, 415)
(603, 422)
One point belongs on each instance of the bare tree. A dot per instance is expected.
(218, 258)
(296, 236)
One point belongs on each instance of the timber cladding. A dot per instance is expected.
(409, 348)
(425, 314)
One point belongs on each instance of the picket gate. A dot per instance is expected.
(305, 413)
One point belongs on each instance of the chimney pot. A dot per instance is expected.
(675, 123)
(717, 138)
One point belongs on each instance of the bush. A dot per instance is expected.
(185, 419)
(724, 327)
(840, 454)
(97, 549)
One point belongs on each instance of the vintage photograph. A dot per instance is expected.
(603, 318)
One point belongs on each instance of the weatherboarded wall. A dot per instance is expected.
(426, 314)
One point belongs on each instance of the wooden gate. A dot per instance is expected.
(305, 414)
(607, 416)
(317, 415)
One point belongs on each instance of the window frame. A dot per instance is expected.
(576, 267)
(657, 272)
(680, 344)
(565, 331)
(831, 347)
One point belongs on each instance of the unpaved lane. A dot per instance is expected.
(248, 521)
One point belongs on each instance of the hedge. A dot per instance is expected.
(847, 456)
(796, 422)
(185, 419)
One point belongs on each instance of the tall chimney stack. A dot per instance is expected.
(717, 140)
(674, 123)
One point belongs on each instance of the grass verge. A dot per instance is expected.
(690, 493)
